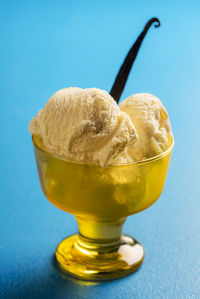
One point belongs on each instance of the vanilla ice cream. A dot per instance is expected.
(152, 124)
(84, 125)
(87, 125)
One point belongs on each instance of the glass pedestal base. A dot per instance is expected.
(85, 259)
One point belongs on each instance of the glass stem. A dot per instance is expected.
(100, 231)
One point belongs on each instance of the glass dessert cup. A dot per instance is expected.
(101, 199)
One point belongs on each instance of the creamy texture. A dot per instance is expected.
(84, 125)
(87, 125)
(152, 124)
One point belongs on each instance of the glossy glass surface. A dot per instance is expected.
(101, 199)
(96, 192)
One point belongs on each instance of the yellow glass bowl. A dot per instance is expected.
(101, 199)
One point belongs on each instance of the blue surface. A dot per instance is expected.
(50, 45)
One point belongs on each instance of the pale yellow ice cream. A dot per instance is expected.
(87, 125)
(84, 125)
(152, 124)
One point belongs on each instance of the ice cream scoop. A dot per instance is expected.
(152, 124)
(84, 125)
(87, 125)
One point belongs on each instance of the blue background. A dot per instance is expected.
(51, 45)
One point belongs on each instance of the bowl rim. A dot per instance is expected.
(142, 162)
